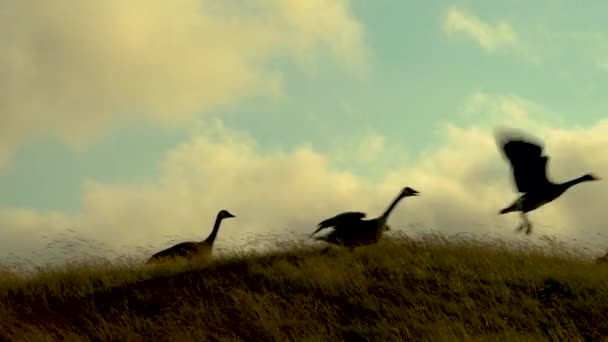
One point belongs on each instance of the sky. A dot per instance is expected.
(129, 125)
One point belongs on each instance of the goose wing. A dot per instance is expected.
(528, 163)
(343, 219)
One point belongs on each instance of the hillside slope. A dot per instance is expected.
(397, 290)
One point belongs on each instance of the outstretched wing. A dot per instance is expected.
(528, 163)
(344, 219)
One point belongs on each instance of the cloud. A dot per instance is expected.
(489, 108)
(463, 181)
(492, 38)
(72, 70)
(363, 151)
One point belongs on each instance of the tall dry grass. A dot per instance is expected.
(429, 288)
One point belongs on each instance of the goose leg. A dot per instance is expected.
(521, 225)
(526, 223)
(529, 228)
(522, 222)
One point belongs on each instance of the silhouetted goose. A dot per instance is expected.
(193, 249)
(351, 230)
(529, 169)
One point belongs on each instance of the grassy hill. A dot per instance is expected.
(432, 288)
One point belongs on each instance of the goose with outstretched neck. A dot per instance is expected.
(529, 169)
(351, 230)
(189, 249)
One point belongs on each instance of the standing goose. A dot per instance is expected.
(529, 168)
(351, 230)
(192, 249)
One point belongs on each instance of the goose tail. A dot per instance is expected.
(507, 209)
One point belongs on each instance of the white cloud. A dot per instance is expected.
(363, 151)
(491, 38)
(71, 70)
(510, 109)
(463, 182)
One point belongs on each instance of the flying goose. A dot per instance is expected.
(529, 169)
(193, 249)
(351, 230)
